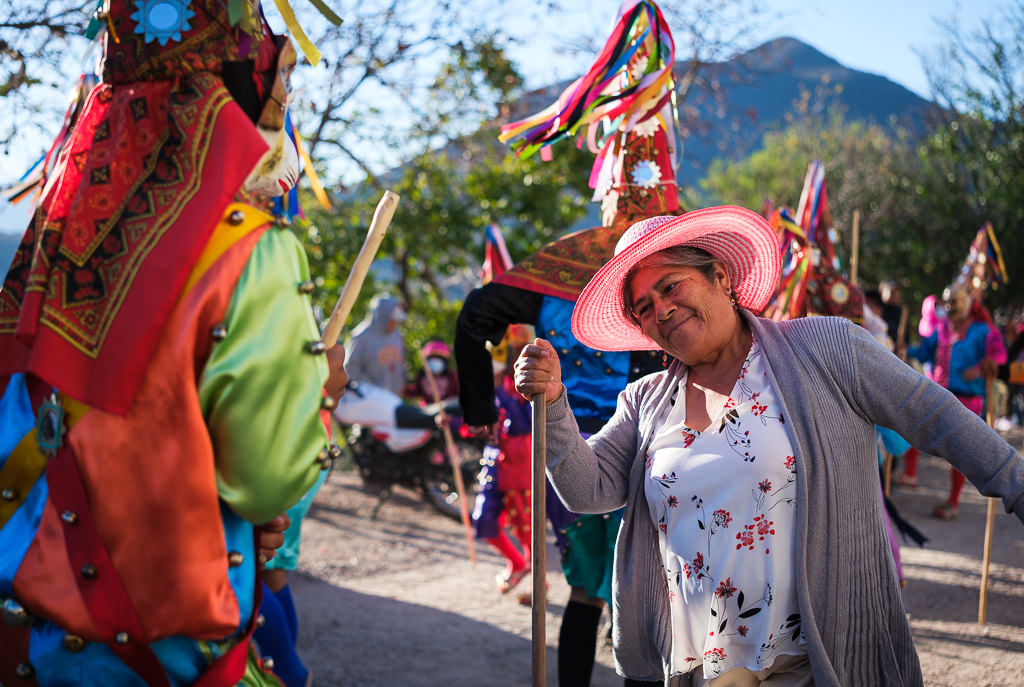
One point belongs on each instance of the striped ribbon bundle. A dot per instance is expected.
(630, 84)
(800, 237)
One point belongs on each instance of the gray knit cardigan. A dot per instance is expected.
(835, 383)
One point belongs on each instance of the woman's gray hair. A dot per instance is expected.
(679, 256)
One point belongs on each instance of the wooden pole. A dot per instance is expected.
(986, 558)
(901, 333)
(539, 541)
(455, 459)
(854, 250)
(986, 555)
(374, 235)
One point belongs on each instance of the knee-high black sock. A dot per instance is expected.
(577, 643)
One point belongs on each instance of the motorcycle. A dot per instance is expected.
(393, 443)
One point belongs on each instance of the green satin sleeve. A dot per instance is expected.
(261, 389)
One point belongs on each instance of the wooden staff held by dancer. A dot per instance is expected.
(455, 459)
(374, 235)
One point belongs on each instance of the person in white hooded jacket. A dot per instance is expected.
(376, 352)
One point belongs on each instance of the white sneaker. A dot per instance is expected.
(1005, 424)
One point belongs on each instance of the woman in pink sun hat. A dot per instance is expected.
(752, 547)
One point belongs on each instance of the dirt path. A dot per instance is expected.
(395, 601)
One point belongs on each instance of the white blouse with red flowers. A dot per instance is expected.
(723, 501)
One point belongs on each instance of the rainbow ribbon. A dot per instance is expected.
(617, 93)
(295, 29)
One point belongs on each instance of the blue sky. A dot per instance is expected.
(881, 36)
(877, 36)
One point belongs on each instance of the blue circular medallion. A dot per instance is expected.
(162, 20)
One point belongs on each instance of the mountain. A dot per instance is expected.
(757, 89)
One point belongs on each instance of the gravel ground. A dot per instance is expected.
(396, 601)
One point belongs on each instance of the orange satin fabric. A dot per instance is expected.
(174, 552)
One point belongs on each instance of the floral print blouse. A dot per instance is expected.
(723, 500)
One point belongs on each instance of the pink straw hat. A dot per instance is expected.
(742, 239)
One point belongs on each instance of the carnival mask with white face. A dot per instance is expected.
(277, 171)
(957, 302)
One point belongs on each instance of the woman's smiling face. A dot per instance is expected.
(682, 311)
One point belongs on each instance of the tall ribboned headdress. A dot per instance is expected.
(812, 282)
(624, 109)
(983, 266)
(160, 147)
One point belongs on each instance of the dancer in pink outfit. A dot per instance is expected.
(963, 350)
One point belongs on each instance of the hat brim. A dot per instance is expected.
(742, 239)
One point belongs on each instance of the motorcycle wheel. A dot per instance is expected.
(444, 497)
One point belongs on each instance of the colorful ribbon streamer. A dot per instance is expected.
(295, 29)
(314, 179)
(629, 83)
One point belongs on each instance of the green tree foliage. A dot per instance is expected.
(868, 171)
(920, 202)
(36, 39)
(973, 166)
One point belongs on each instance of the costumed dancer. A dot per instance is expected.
(165, 388)
(965, 347)
(278, 635)
(438, 356)
(506, 477)
(629, 92)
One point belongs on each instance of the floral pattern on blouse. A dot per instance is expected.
(723, 500)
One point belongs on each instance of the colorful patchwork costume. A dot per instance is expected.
(960, 341)
(154, 416)
(504, 500)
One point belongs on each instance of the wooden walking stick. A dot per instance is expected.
(539, 542)
(855, 250)
(455, 459)
(374, 235)
(990, 516)
(901, 334)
